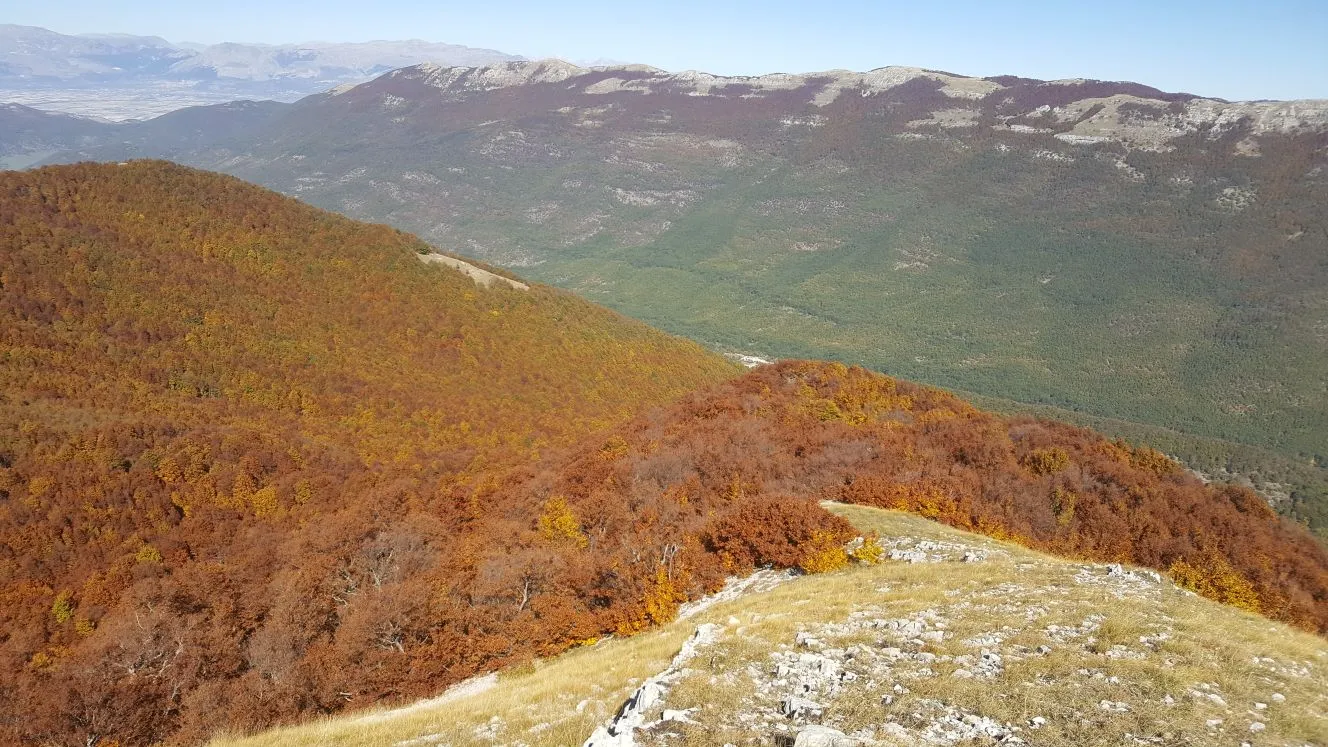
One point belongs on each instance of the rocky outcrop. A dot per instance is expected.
(620, 731)
(1128, 113)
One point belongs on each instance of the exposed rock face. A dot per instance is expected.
(1141, 117)
(621, 730)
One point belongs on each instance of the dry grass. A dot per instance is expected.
(1193, 649)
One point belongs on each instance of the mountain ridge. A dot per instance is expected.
(770, 203)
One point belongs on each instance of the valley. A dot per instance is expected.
(445, 397)
(1104, 249)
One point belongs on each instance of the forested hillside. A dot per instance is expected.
(258, 462)
(1098, 246)
(211, 394)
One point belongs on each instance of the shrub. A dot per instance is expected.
(822, 553)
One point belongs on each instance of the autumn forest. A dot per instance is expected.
(260, 463)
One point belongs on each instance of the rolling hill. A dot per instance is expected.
(1105, 248)
(209, 392)
(259, 463)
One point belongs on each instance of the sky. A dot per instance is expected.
(1232, 49)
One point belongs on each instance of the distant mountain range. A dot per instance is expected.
(122, 76)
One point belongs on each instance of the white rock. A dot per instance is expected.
(683, 716)
(795, 707)
(1279, 698)
(1257, 726)
(823, 736)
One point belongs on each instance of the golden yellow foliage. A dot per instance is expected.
(1047, 461)
(822, 553)
(1213, 577)
(147, 554)
(1062, 504)
(62, 609)
(559, 524)
(870, 551)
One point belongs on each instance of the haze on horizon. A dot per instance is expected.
(1232, 49)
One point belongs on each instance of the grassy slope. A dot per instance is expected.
(560, 701)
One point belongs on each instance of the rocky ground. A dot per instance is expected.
(1052, 653)
(953, 639)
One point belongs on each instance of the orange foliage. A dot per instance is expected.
(257, 461)
(248, 458)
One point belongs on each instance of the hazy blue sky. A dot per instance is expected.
(1234, 49)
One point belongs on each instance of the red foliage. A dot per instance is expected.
(256, 462)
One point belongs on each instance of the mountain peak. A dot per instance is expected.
(489, 77)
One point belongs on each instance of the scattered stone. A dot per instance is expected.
(620, 730)
(1257, 726)
(1279, 698)
(807, 640)
(823, 736)
(682, 716)
(795, 707)
(1037, 722)
(909, 556)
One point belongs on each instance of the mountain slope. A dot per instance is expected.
(824, 431)
(1103, 247)
(28, 135)
(1187, 671)
(259, 462)
(226, 416)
